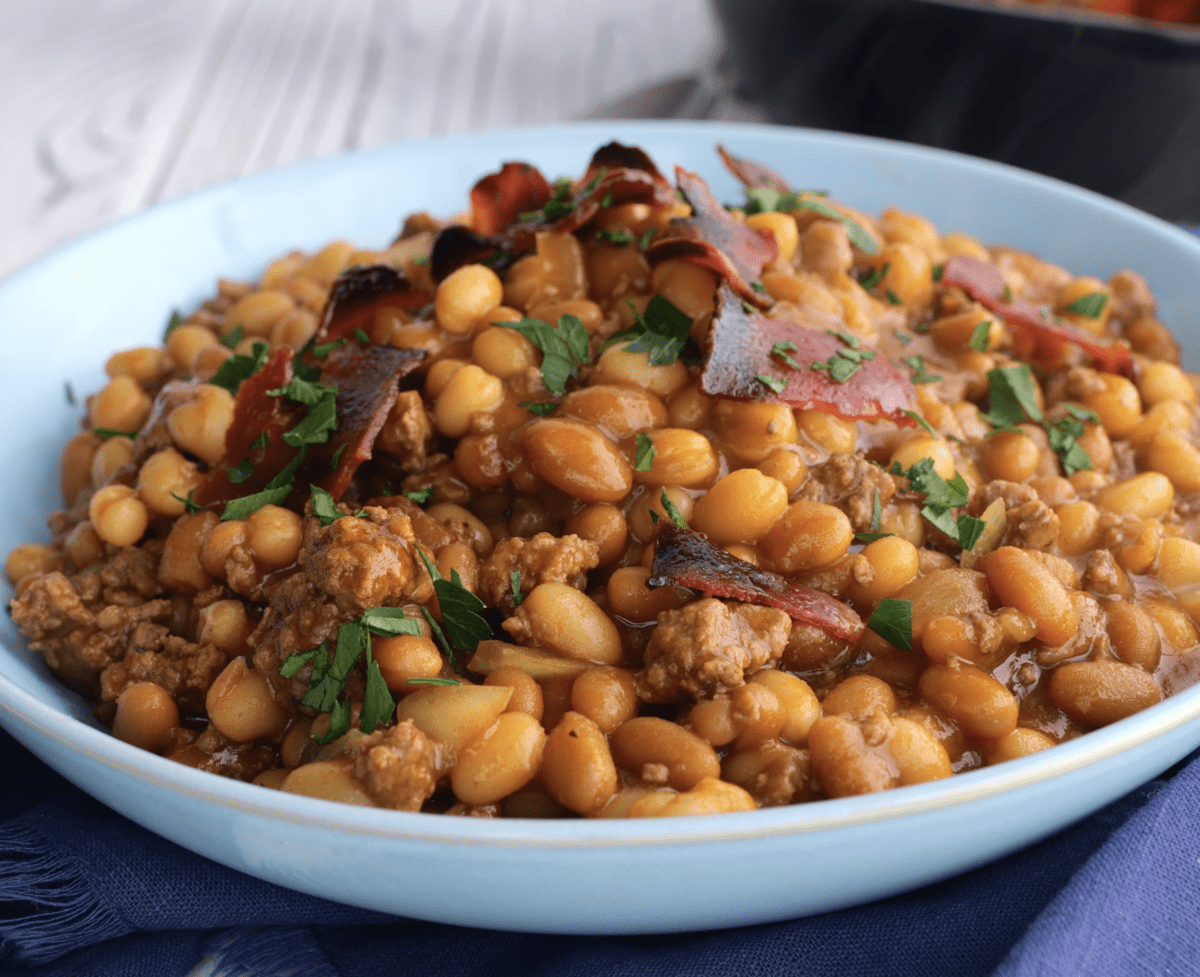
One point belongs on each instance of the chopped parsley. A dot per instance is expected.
(1090, 306)
(174, 321)
(514, 578)
(419, 496)
(275, 492)
(893, 298)
(607, 199)
(234, 336)
(870, 279)
(329, 676)
(981, 336)
(260, 442)
(432, 681)
(644, 243)
(1062, 435)
(241, 472)
(557, 206)
(111, 432)
(783, 350)
(564, 347)
(462, 626)
(905, 338)
(543, 408)
(362, 337)
(324, 508)
(1006, 295)
(774, 384)
(940, 498)
(920, 420)
(760, 288)
(324, 349)
(763, 199)
(917, 365)
(876, 522)
(189, 505)
(421, 259)
(662, 331)
(892, 621)
(672, 512)
(644, 459)
(843, 364)
(1012, 398)
(241, 366)
(938, 271)
(321, 417)
(618, 239)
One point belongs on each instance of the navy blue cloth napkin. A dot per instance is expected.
(83, 891)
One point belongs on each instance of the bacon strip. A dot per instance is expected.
(627, 160)
(685, 558)
(752, 174)
(367, 381)
(983, 283)
(358, 294)
(714, 239)
(498, 200)
(740, 344)
(254, 414)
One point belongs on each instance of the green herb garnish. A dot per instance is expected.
(464, 628)
(514, 578)
(672, 512)
(662, 331)
(783, 350)
(644, 458)
(980, 336)
(241, 366)
(774, 384)
(1090, 306)
(420, 496)
(543, 408)
(110, 432)
(618, 239)
(564, 347)
(241, 472)
(234, 336)
(892, 621)
(917, 365)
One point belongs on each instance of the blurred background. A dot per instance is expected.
(116, 105)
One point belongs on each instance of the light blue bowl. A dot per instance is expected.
(61, 318)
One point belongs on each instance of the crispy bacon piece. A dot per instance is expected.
(367, 381)
(629, 163)
(359, 293)
(456, 246)
(752, 174)
(983, 283)
(686, 558)
(254, 414)
(714, 239)
(740, 345)
(498, 200)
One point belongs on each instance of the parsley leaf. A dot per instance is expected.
(433, 681)
(892, 621)
(326, 348)
(464, 628)
(276, 491)
(324, 508)
(557, 206)
(904, 337)
(189, 506)
(241, 472)
(234, 336)
(377, 704)
(917, 365)
(969, 530)
(618, 239)
(420, 496)
(388, 622)
(774, 384)
(111, 432)
(564, 346)
(893, 298)
(981, 336)
(173, 322)
(241, 367)
(644, 243)
(1062, 435)
(1011, 397)
(514, 578)
(843, 364)
(439, 636)
(543, 408)
(645, 453)
(870, 279)
(938, 271)
(662, 331)
(876, 522)
(259, 442)
(783, 350)
(672, 512)
(297, 660)
(362, 337)
(858, 236)
(920, 420)
(1090, 306)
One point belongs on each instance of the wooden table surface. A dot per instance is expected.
(112, 106)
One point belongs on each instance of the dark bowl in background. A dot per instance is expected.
(1108, 103)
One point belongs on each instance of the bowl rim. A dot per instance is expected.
(19, 707)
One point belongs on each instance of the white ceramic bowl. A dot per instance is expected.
(62, 316)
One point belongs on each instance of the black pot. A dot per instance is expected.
(1109, 103)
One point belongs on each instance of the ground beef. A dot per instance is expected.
(78, 632)
(709, 647)
(298, 618)
(399, 766)
(442, 476)
(1103, 577)
(543, 558)
(185, 669)
(850, 483)
(1031, 523)
(368, 562)
(408, 431)
(213, 753)
(1131, 297)
(780, 777)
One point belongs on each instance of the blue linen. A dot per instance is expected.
(1118, 894)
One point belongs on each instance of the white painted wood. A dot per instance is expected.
(112, 106)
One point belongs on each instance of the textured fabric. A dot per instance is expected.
(1118, 894)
